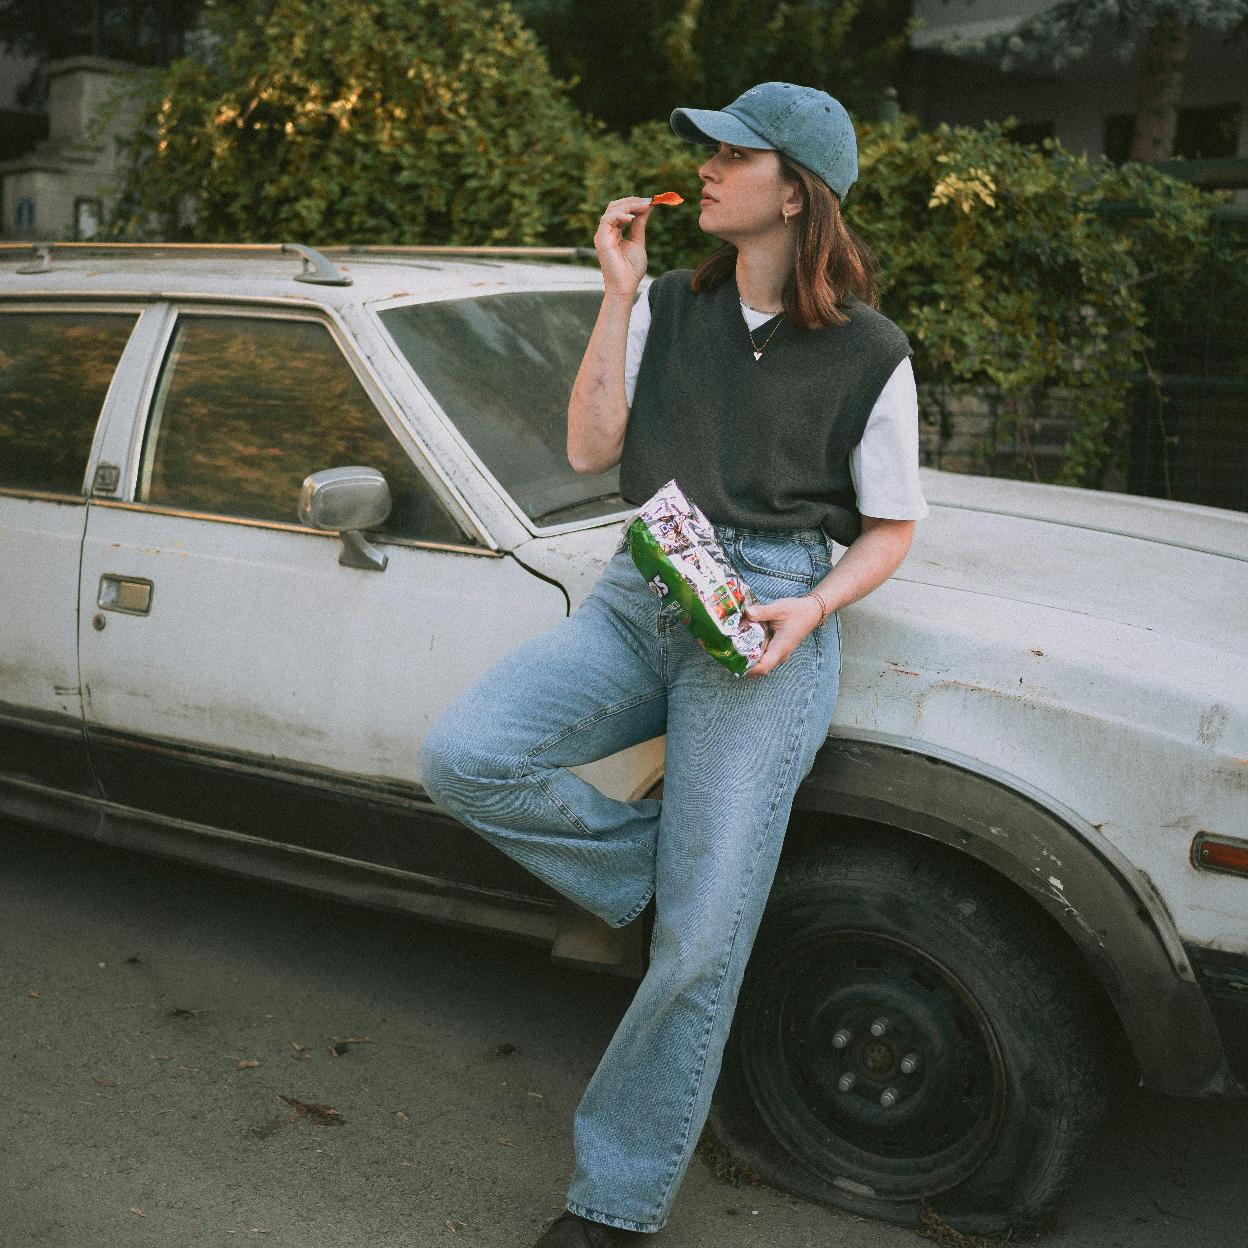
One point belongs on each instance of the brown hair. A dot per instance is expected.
(832, 261)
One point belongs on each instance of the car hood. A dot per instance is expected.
(1177, 569)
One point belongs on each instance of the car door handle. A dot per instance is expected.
(131, 594)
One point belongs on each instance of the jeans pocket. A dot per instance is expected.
(791, 563)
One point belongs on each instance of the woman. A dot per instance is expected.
(783, 402)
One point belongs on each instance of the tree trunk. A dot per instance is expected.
(1161, 86)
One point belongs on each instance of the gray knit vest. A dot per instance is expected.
(759, 444)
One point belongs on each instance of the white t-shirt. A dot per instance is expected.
(884, 465)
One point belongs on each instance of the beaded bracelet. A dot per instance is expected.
(823, 607)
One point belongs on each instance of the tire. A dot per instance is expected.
(1008, 1089)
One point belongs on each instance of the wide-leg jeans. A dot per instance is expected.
(621, 669)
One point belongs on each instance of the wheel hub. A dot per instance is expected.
(888, 1074)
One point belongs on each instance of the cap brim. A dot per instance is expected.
(710, 127)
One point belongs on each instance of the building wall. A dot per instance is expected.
(72, 177)
(1076, 99)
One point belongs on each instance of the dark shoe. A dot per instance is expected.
(570, 1230)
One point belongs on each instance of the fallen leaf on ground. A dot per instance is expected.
(107, 1083)
(298, 1048)
(137, 1211)
(323, 1115)
(248, 1063)
(36, 994)
(456, 1225)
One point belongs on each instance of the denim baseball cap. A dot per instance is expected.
(803, 123)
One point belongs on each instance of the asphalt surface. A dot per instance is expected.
(169, 1080)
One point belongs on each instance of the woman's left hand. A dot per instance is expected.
(792, 620)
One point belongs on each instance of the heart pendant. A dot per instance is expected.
(758, 355)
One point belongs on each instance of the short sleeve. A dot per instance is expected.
(885, 464)
(638, 330)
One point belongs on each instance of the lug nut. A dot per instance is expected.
(909, 1063)
(847, 1081)
(842, 1038)
(879, 1027)
(889, 1097)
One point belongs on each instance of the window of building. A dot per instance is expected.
(247, 407)
(1206, 132)
(55, 369)
(1033, 132)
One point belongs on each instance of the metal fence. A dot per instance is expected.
(1188, 436)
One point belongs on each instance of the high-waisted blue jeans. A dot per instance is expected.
(621, 669)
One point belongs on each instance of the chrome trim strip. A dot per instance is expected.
(43, 496)
(163, 296)
(283, 526)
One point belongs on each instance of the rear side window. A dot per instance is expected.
(55, 369)
(247, 407)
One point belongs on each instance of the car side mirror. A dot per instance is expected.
(347, 501)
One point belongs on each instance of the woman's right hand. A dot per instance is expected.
(623, 259)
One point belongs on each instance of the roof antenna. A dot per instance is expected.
(42, 261)
(318, 269)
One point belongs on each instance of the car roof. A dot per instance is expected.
(267, 271)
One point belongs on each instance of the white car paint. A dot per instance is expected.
(1086, 644)
(1090, 645)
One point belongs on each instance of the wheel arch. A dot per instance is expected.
(1063, 866)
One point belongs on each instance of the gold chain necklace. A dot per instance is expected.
(758, 351)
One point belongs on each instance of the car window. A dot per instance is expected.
(247, 407)
(55, 369)
(501, 367)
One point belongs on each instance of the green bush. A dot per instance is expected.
(358, 121)
(998, 259)
(396, 121)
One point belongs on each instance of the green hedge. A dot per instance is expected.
(436, 121)
(1000, 263)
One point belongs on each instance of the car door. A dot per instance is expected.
(57, 363)
(238, 678)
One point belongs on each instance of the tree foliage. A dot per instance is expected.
(631, 63)
(373, 121)
(1005, 268)
(1063, 34)
(358, 120)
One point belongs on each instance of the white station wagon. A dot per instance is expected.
(264, 511)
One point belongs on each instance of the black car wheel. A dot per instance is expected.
(908, 1032)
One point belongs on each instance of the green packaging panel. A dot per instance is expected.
(675, 548)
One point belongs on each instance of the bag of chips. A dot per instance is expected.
(675, 548)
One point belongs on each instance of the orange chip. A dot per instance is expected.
(667, 197)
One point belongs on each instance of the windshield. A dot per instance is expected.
(502, 367)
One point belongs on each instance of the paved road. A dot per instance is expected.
(135, 988)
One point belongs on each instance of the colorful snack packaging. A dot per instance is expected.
(675, 548)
